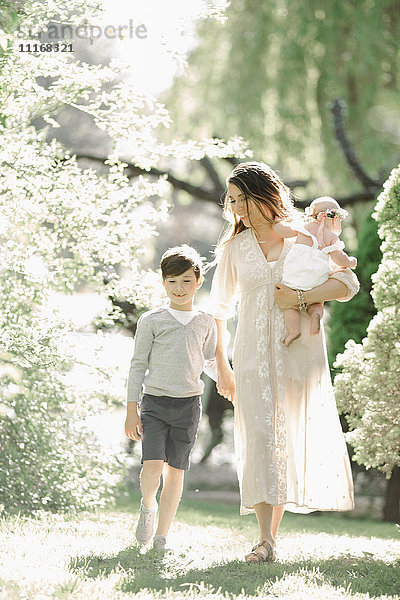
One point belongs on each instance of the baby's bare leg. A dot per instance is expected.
(316, 312)
(292, 322)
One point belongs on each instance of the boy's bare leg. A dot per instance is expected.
(150, 481)
(277, 515)
(316, 312)
(292, 322)
(169, 499)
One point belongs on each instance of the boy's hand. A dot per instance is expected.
(133, 423)
(226, 382)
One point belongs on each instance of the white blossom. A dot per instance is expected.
(368, 388)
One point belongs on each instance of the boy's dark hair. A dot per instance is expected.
(179, 259)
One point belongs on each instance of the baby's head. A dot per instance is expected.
(328, 213)
(327, 205)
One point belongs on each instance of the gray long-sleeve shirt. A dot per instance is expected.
(169, 357)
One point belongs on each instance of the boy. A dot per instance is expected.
(173, 346)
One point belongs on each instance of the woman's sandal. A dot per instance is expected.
(262, 552)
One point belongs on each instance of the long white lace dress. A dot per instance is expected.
(289, 444)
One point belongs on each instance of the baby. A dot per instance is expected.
(306, 265)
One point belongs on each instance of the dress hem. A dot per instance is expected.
(247, 510)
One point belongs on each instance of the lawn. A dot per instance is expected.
(93, 556)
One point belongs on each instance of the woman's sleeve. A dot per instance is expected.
(224, 286)
(350, 280)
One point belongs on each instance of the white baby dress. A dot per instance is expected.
(307, 267)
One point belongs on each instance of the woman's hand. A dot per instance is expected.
(226, 382)
(285, 297)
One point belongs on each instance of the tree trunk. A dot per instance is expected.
(391, 510)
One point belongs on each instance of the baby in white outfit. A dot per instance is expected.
(307, 263)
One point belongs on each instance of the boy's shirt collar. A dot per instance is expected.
(183, 316)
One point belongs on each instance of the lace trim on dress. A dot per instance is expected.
(269, 330)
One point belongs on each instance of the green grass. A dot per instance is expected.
(93, 556)
(227, 515)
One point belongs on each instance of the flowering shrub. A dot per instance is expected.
(61, 226)
(368, 389)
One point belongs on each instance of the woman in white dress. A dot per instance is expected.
(289, 445)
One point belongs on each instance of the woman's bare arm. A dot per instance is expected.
(221, 352)
(226, 381)
(332, 289)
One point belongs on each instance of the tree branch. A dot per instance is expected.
(178, 184)
(338, 109)
(233, 160)
(291, 184)
(219, 188)
(196, 191)
(371, 186)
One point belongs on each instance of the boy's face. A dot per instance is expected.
(180, 289)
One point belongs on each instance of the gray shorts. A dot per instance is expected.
(170, 428)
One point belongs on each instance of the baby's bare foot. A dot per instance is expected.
(291, 337)
(315, 324)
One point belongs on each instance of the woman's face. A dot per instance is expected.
(248, 212)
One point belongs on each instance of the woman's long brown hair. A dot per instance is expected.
(258, 182)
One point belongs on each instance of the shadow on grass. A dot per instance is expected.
(131, 561)
(149, 570)
(202, 512)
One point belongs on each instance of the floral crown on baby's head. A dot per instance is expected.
(328, 207)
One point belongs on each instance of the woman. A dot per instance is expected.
(288, 441)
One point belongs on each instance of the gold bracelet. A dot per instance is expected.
(302, 303)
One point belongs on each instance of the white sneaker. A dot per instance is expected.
(160, 542)
(146, 522)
